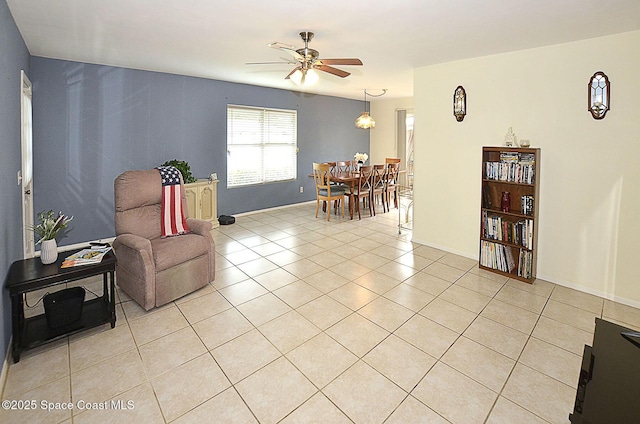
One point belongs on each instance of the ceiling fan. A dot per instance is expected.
(307, 61)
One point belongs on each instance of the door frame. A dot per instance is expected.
(25, 176)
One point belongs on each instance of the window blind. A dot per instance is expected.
(261, 145)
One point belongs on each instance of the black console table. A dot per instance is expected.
(28, 275)
(609, 382)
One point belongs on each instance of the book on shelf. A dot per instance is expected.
(527, 205)
(525, 264)
(85, 257)
(520, 232)
(528, 158)
(509, 156)
(513, 172)
(501, 257)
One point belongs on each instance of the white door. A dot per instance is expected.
(26, 173)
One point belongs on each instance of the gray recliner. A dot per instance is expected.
(150, 269)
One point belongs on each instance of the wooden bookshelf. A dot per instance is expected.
(509, 224)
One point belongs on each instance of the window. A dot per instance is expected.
(261, 145)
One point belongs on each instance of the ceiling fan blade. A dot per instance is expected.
(352, 61)
(291, 73)
(335, 71)
(287, 48)
(271, 63)
(278, 45)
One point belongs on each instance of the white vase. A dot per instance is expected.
(49, 251)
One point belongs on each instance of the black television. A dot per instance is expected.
(609, 383)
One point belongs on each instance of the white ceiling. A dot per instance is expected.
(214, 39)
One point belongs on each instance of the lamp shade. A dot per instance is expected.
(304, 77)
(365, 121)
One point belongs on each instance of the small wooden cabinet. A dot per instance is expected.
(202, 200)
(509, 211)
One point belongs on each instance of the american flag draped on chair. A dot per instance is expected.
(172, 220)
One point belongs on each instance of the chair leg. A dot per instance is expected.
(317, 207)
(372, 205)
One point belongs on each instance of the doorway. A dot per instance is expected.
(404, 144)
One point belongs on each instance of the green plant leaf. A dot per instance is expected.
(184, 169)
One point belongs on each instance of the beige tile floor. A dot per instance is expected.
(378, 329)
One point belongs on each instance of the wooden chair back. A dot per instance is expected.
(379, 175)
(362, 191)
(332, 167)
(343, 167)
(365, 179)
(391, 184)
(393, 169)
(377, 185)
(322, 175)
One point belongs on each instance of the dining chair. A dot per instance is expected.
(377, 186)
(392, 160)
(362, 190)
(391, 184)
(339, 168)
(326, 192)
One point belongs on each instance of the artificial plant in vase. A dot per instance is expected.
(360, 158)
(184, 168)
(47, 230)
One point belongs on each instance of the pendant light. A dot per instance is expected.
(365, 121)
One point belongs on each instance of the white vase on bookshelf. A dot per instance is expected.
(510, 138)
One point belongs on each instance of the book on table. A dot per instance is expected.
(85, 257)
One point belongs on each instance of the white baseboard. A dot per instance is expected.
(5, 367)
(274, 208)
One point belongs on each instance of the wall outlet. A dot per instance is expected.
(301, 189)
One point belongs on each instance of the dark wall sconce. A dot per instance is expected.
(599, 95)
(459, 103)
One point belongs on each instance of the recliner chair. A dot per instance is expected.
(153, 270)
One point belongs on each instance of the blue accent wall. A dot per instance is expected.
(14, 57)
(92, 122)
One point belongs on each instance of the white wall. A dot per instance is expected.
(383, 136)
(590, 174)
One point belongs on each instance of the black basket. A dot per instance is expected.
(226, 219)
(63, 307)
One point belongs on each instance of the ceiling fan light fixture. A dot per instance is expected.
(311, 77)
(304, 77)
(296, 77)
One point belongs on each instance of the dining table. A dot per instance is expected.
(349, 179)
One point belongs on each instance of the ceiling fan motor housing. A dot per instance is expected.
(306, 36)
